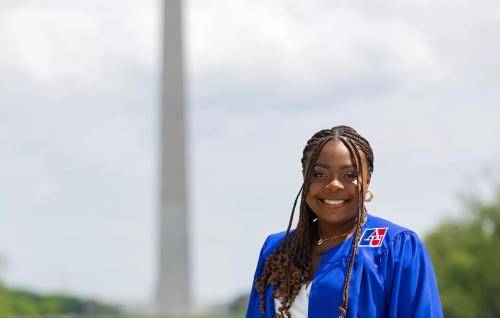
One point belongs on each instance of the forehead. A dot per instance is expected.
(335, 154)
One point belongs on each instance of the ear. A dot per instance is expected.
(366, 185)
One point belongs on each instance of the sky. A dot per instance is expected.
(79, 127)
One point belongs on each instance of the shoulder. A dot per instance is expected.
(272, 242)
(398, 246)
(408, 272)
(392, 228)
(391, 235)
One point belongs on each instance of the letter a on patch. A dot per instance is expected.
(373, 237)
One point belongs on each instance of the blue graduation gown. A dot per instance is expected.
(392, 277)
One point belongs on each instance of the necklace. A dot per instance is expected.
(323, 240)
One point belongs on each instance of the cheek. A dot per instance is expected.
(309, 198)
(352, 189)
(311, 202)
(313, 190)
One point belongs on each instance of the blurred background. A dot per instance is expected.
(80, 127)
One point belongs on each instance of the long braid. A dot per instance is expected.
(302, 246)
(293, 210)
(359, 205)
(289, 266)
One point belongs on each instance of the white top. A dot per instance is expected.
(300, 304)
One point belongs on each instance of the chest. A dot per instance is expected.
(367, 292)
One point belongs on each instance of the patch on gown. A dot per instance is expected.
(373, 237)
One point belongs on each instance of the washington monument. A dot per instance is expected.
(173, 290)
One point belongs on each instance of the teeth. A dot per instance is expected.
(333, 202)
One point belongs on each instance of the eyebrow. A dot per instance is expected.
(328, 167)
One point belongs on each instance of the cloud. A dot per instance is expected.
(296, 49)
(64, 45)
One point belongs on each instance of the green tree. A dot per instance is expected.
(4, 295)
(4, 302)
(25, 303)
(466, 258)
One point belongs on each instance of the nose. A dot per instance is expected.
(335, 185)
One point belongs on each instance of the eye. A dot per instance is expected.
(350, 176)
(318, 174)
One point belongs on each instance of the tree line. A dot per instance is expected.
(23, 303)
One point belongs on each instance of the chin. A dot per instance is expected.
(335, 217)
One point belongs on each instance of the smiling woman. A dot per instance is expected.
(341, 261)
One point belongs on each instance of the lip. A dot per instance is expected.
(333, 206)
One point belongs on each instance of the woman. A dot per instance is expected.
(341, 261)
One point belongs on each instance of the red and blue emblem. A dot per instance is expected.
(373, 237)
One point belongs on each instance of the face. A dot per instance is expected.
(332, 194)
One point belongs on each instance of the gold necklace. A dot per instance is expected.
(322, 240)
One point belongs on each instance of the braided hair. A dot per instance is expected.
(289, 266)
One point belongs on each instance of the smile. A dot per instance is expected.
(333, 204)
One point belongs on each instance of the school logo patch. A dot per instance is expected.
(373, 237)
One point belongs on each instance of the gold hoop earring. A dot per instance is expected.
(368, 196)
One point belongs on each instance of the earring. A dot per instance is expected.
(368, 196)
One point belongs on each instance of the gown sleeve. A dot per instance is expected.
(253, 309)
(412, 283)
